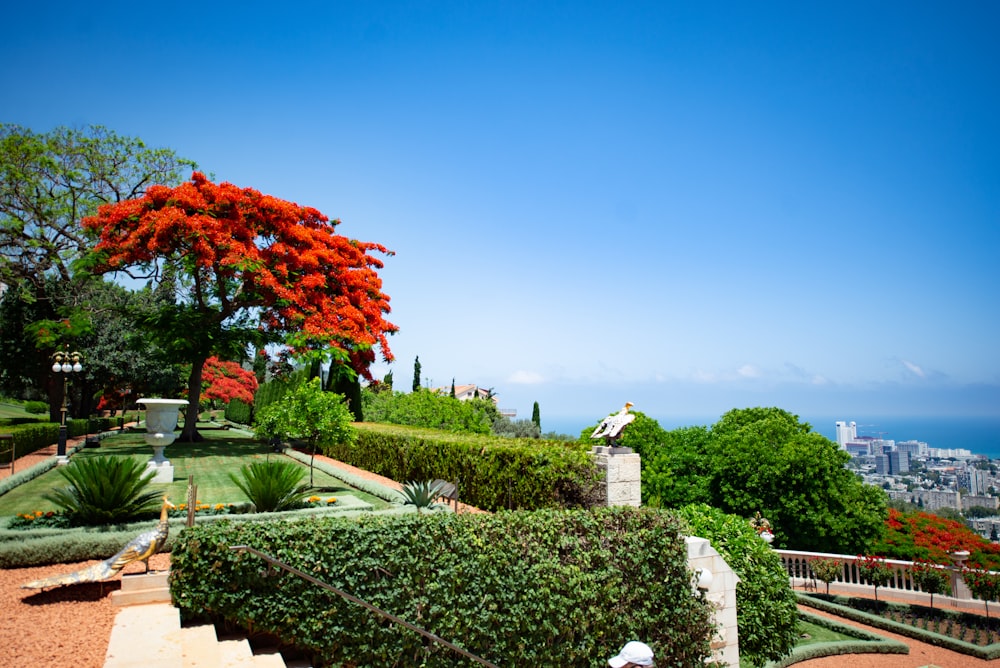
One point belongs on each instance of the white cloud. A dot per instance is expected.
(916, 370)
(521, 377)
(748, 371)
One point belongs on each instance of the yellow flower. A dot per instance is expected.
(38, 513)
(220, 506)
(313, 499)
(332, 500)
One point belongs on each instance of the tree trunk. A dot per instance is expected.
(190, 432)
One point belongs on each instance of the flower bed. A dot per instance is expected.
(967, 633)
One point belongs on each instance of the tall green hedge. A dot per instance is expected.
(30, 437)
(547, 588)
(239, 411)
(492, 473)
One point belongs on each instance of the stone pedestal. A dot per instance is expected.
(139, 588)
(623, 480)
(721, 594)
(162, 471)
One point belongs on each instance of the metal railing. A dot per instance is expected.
(368, 606)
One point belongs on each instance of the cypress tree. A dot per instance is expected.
(536, 416)
(452, 388)
(416, 374)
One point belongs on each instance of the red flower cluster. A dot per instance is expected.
(923, 536)
(226, 381)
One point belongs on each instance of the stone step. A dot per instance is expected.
(151, 636)
(145, 636)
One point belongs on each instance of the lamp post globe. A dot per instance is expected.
(65, 362)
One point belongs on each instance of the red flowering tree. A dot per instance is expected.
(226, 381)
(914, 536)
(245, 268)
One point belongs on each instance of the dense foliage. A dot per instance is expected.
(914, 536)
(766, 613)
(526, 589)
(492, 473)
(105, 490)
(424, 408)
(247, 268)
(762, 460)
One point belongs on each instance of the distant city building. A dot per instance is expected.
(857, 449)
(899, 462)
(929, 499)
(915, 448)
(847, 432)
(950, 453)
(882, 465)
(975, 480)
(970, 500)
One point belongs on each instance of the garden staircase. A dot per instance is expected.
(150, 635)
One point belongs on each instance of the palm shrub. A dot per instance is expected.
(422, 494)
(105, 490)
(272, 486)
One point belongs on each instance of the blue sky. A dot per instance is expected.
(693, 207)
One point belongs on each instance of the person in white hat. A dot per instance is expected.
(634, 653)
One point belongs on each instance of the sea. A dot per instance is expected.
(979, 435)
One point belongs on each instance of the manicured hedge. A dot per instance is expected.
(866, 643)
(987, 653)
(546, 588)
(493, 473)
(30, 437)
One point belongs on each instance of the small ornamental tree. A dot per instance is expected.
(984, 585)
(875, 570)
(246, 268)
(931, 578)
(226, 381)
(310, 414)
(826, 569)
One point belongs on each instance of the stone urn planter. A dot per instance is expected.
(161, 420)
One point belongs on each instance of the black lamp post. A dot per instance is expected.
(65, 363)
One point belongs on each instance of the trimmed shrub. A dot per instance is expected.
(36, 407)
(766, 617)
(493, 473)
(543, 588)
(239, 411)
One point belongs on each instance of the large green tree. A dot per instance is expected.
(48, 183)
(762, 460)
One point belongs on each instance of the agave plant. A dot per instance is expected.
(105, 490)
(422, 494)
(272, 485)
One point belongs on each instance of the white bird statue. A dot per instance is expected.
(611, 427)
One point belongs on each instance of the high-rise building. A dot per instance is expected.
(847, 432)
(899, 462)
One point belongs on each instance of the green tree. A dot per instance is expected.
(310, 414)
(536, 416)
(416, 373)
(48, 183)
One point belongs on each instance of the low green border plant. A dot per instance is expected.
(989, 652)
(865, 643)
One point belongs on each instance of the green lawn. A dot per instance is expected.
(209, 461)
(810, 634)
(14, 411)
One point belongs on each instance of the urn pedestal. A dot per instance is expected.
(161, 420)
